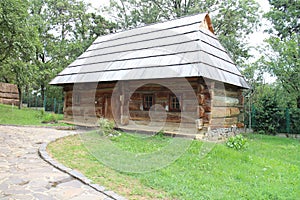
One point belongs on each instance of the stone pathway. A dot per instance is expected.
(24, 175)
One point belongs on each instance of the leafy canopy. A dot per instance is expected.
(284, 59)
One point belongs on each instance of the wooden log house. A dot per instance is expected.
(175, 71)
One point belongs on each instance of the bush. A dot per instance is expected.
(237, 142)
(107, 127)
(295, 120)
(160, 133)
(267, 116)
(261, 132)
(49, 118)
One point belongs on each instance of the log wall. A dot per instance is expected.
(161, 90)
(9, 94)
(227, 106)
(217, 105)
(87, 102)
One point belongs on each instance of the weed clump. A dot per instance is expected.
(237, 142)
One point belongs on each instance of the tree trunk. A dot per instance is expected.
(43, 92)
(298, 102)
(5, 79)
(20, 96)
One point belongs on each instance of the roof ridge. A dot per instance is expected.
(155, 23)
(152, 24)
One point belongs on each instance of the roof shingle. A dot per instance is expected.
(176, 48)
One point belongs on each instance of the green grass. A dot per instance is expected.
(268, 169)
(25, 116)
(140, 143)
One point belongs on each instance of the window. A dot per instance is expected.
(148, 101)
(175, 102)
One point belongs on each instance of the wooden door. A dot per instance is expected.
(108, 109)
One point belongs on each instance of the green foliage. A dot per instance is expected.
(17, 36)
(262, 132)
(237, 142)
(283, 57)
(160, 133)
(273, 110)
(18, 42)
(295, 120)
(284, 15)
(235, 21)
(65, 29)
(106, 127)
(41, 37)
(50, 118)
(267, 115)
(285, 63)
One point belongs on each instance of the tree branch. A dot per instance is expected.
(162, 10)
(125, 15)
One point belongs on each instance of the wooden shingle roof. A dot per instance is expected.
(185, 47)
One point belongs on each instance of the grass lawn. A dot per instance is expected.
(268, 169)
(25, 116)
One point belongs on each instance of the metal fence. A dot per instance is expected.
(47, 104)
(288, 120)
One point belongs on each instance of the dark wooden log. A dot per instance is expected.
(201, 111)
(201, 99)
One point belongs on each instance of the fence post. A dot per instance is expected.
(36, 103)
(288, 120)
(54, 105)
(58, 109)
(45, 102)
(29, 100)
(253, 113)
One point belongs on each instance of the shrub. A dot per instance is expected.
(262, 132)
(107, 127)
(267, 116)
(237, 142)
(160, 133)
(295, 120)
(49, 118)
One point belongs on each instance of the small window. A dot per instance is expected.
(175, 103)
(148, 101)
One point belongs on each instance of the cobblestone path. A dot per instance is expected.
(24, 175)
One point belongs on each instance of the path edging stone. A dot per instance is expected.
(42, 151)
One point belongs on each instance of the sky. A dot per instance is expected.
(255, 40)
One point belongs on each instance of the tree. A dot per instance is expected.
(41, 37)
(284, 59)
(13, 23)
(17, 42)
(284, 63)
(233, 19)
(66, 29)
(284, 16)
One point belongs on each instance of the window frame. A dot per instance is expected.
(147, 107)
(171, 108)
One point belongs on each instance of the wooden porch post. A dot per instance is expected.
(124, 103)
